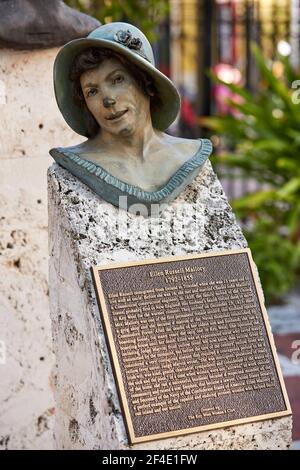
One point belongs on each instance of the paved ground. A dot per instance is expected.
(285, 322)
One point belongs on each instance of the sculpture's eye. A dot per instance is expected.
(92, 92)
(118, 79)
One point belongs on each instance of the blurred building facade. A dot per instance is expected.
(216, 34)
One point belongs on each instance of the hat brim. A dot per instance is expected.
(162, 117)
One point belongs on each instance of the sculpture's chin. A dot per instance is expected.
(126, 131)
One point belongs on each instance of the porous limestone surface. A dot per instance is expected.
(87, 231)
(31, 124)
(26, 399)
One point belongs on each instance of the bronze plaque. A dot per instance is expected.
(190, 344)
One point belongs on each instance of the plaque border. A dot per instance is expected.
(116, 365)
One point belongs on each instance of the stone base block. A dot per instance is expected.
(86, 231)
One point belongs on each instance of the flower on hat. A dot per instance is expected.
(126, 38)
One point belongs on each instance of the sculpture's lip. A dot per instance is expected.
(117, 115)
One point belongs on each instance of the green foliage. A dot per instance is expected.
(146, 15)
(264, 143)
(276, 256)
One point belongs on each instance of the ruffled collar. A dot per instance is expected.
(164, 192)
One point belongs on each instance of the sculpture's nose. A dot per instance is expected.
(107, 102)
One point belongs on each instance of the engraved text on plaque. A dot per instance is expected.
(190, 344)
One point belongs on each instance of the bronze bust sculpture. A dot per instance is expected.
(109, 90)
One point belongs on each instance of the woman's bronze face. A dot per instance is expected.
(114, 98)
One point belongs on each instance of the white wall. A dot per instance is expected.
(30, 124)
